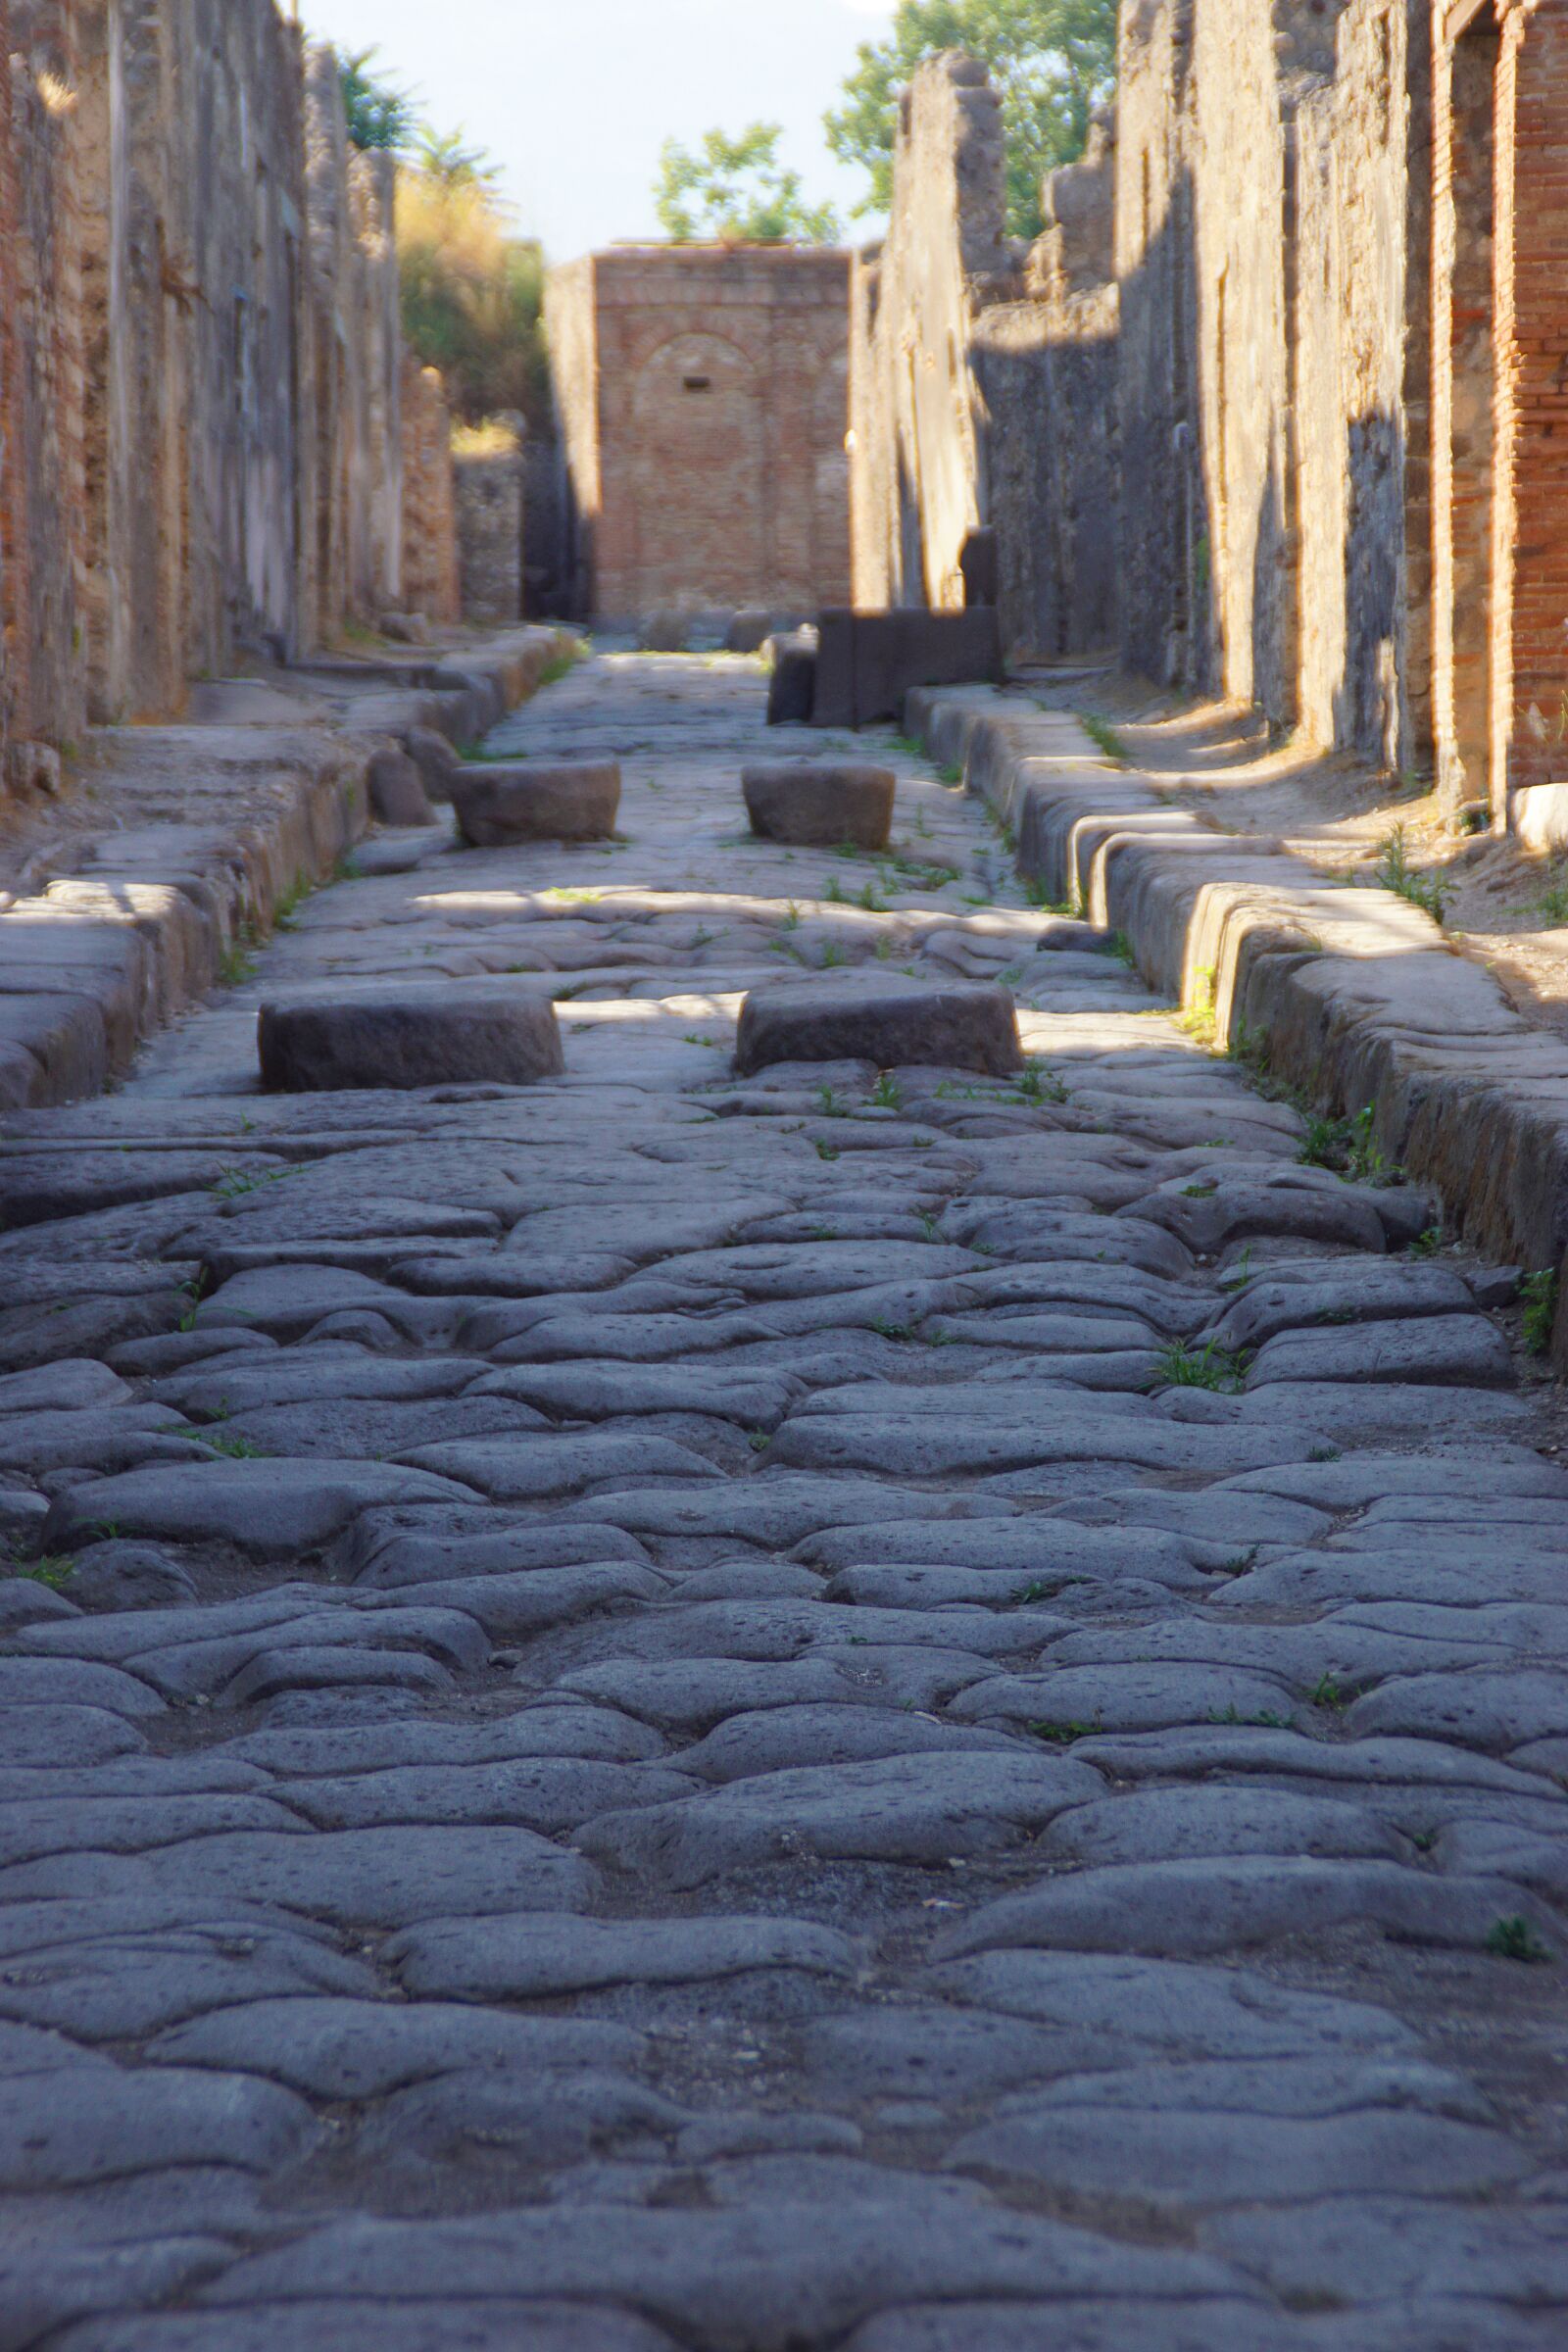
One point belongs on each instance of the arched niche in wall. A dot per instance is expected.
(697, 476)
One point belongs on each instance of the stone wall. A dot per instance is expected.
(489, 489)
(984, 379)
(702, 399)
(1273, 211)
(200, 356)
(1501, 412)
(41, 453)
(429, 516)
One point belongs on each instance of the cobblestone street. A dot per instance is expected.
(848, 1711)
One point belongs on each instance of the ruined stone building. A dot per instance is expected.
(702, 402)
(201, 366)
(984, 379)
(1278, 408)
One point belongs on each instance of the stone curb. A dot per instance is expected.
(95, 964)
(1353, 995)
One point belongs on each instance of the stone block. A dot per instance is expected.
(886, 1021)
(536, 800)
(867, 662)
(834, 702)
(436, 759)
(406, 1037)
(397, 791)
(792, 688)
(820, 804)
(896, 650)
(748, 631)
(665, 633)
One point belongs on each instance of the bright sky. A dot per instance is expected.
(575, 98)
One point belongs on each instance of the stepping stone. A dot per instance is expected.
(820, 802)
(887, 1022)
(536, 800)
(409, 1037)
(792, 687)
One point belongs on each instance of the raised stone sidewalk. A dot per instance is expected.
(1350, 994)
(210, 832)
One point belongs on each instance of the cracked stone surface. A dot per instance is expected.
(847, 1710)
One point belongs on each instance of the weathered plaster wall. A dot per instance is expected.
(355, 341)
(701, 393)
(984, 379)
(200, 356)
(1273, 246)
(42, 452)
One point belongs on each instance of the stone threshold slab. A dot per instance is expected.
(1352, 995)
(96, 962)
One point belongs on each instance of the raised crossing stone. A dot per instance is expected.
(819, 804)
(410, 1038)
(540, 800)
(888, 1023)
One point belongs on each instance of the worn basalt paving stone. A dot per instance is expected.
(868, 1708)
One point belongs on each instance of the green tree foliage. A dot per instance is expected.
(380, 116)
(736, 192)
(443, 156)
(1052, 60)
(472, 291)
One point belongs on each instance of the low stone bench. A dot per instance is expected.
(443, 1035)
(536, 800)
(885, 1021)
(819, 804)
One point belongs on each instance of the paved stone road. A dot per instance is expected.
(672, 1729)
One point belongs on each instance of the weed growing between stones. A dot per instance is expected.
(238, 1449)
(54, 1571)
(234, 1183)
(1179, 1366)
(1348, 1148)
(1327, 1692)
(1105, 735)
(1427, 1243)
(1516, 1939)
(1039, 1084)
(1553, 900)
(1419, 885)
(887, 1094)
(1121, 947)
(1540, 1295)
(1033, 890)
(1063, 1735)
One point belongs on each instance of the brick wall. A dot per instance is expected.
(1501, 402)
(702, 397)
(429, 527)
(489, 492)
(1536, 713)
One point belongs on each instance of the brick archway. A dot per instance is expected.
(701, 441)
